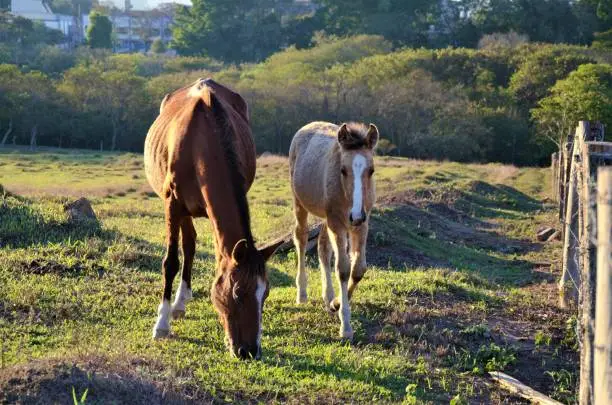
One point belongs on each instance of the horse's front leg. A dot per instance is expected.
(170, 266)
(359, 238)
(300, 239)
(338, 238)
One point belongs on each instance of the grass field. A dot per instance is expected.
(456, 287)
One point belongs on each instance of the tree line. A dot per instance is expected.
(509, 101)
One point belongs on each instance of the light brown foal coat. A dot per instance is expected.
(200, 159)
(331, 178)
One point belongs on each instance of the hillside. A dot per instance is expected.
(456, 286)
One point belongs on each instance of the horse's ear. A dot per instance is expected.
(372, 136)
(268, 251)
(343, 135)
(163, 103)
(240, 251)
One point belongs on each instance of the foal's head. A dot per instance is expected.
(357, 145)
(238, 295)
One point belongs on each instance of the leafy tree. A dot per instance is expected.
(586, 94)
(158, 46)
(603, 40)
(99, 31)
(229, 30)
(541, 69)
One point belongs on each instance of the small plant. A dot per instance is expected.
(564, 382)
(542, 339)
(83, 397)
(381, 239)
(458, 400)
(477, 331)
(488, 358)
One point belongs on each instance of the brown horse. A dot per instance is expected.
(200, 159)
(331, 177)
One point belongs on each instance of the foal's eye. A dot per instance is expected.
(371, 172)
(343, 171)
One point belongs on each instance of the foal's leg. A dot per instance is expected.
(358, 257)
(338, 237)
(188, 242)
(300, 238)
(170, 266)
(325, 253)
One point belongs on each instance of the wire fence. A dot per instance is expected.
(580, 184)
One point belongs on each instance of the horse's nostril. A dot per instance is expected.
(351, 217)
(242, 353)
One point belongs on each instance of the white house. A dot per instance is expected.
(36, 10)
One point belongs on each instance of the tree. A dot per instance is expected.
(158, 46)
(586, 94)
(229, 30)
(99, 31)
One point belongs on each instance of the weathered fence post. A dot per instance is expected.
(592, 155)
(602, 366)
(565, 166)
(569, 285)
(554, 179)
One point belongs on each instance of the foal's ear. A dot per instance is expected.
(343, 135)
(163, 103)
(268, 251)
(240, 251)
(372, 136)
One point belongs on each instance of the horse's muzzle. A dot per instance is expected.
(245, 353)
(356, 221)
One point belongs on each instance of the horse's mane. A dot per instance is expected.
(357, 138)
(224, 124)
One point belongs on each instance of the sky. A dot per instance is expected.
(147, 4)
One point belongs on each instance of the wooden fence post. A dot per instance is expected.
(602, 366)
(569, 285)
(554, 179)
(592, 155)
(565, 165)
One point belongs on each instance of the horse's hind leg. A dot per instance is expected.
(170, 265)
(325, 254)
(300, 238)
(188, 242)
(358, 256)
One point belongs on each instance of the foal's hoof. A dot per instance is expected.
(160, 333)
(335, 305)
(301, 299)
(346, 335)
(178, 313)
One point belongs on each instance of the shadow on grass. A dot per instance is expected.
(454, 235)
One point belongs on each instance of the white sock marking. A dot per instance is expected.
(259, 294)
(359, 165)
(183, 295)
(163, 317)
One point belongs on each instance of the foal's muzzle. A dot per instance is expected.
(356, 221)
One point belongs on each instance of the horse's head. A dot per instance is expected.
(357, 145)
(238, 295)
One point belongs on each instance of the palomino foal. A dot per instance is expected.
(200, 159)
(331, 178)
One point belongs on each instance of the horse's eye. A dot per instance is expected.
(371, 172)
(343, 171)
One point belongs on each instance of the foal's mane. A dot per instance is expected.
(357, 138)
(237, 180)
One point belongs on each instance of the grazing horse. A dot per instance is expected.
(331, 178)
(200, 159)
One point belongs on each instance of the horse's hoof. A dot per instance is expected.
(335, 305)
(178, 313)
(346, 335)
(301, 299)
(160, 333)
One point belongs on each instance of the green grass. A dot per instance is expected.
(430, 316)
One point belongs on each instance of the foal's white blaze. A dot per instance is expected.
(359, 165)
(259, 294)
